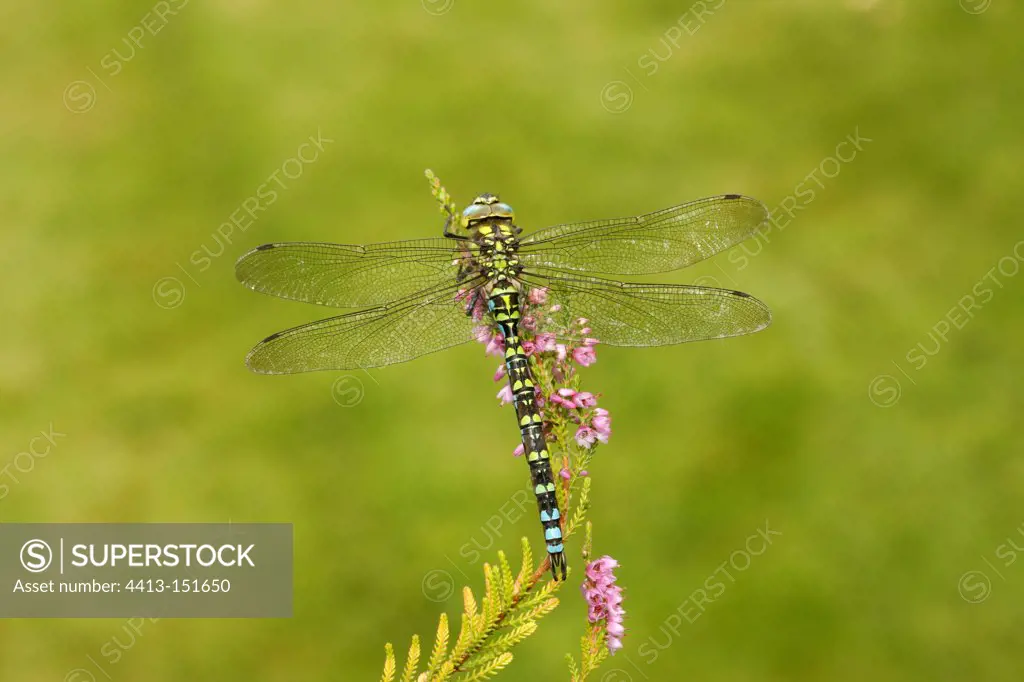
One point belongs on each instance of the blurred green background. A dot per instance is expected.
(890, 481)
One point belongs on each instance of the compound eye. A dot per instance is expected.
(502, 210)
(476, 212)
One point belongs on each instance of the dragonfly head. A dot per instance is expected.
(486, 206)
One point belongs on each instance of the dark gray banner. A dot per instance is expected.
(151, 570)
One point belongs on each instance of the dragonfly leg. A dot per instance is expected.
(472, 302)
(449, 234)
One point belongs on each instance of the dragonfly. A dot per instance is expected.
(417, 296)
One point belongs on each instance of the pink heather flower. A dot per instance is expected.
(604, 600)
(586, 436)
(494, 341)
(505, 394)
(600, 571)
(588, 341)
(529, 323)
(556, 307)
(585, 399)
(564, 473)
(496, 346)
(584, 355)
(602, 424)
(561, 350)
(528, 347)
(500, 373)
(564, 397)
(582, 321)
(544, 343)
(538, 296)
(584, 472)
(519, 451)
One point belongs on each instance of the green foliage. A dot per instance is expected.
(592, 653)
(447, 204)
(504, 616)
(389, 663)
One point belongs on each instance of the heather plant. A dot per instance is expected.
(575, 426)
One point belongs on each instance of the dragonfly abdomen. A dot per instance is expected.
(503, 304)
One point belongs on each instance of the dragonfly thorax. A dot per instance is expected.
(494, 238)
(496, 246)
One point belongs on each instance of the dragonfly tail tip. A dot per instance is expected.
(558, 564)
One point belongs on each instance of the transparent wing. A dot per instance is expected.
(346, 276)
(662, 241)
(379, 336)
(621, 314)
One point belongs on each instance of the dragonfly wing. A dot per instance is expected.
(662, 241)
(345, 276)
(621, 314)
(375, 337)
